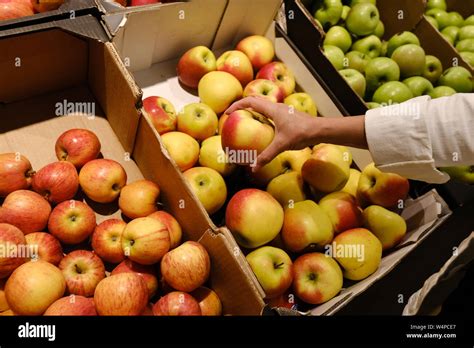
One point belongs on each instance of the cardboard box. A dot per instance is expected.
(152, 41)
(40, 78)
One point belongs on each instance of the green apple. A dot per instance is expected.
(468, 57)
(460, 173)
(418, 85)
(452, 32)
(400, 39)
(466, 32)
(433, 21)
(362, 19)
(339, 37)
(381, 70)
(411, 60)
(458, 78)
(273, 269)
(356, 60)
(379, 30)
(466, 45)
(302, 102)
(355, 2)
(441, 16)
(345, 12)
(440, 4)
(370, 45)
(441, 91)
(469, 20)
(455, 19)
(355, 79)
(433, 69)
(383, 51)
(327, 12)
(388, 227)
(448, 38)
(392, 92)
(335, 56)
(372, 105)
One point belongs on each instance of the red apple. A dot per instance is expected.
(121, 294)
(161, 112)
(258, 48)
(10, 9)
(208, 300)
(73, 305)
(102, 180)
(194, 64)
(143, 2)
(3, 300)
(264, 88)
(15, 172)
(11, 240)
(26, 210)
(107, 240)
(72, 222)
(237, 64)
(47, 247)
(342, 209)
(46, 5)
(57, 182)
(174, 229)
(147, 272)
(187, 267)
(177, 303)
(77, 146)
(281, 75)
(139, 199)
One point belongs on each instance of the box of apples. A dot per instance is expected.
(93, 218)
(295, 222)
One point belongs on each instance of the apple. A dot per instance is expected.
(246, 134)
(264, 88)
(273, 269)
(139, 199)
(287, 300)
(194, 64)
(302, 102)
(380, 70)
(433, 69)
(182, 148)
(441, 4)
(357, 60)
(418, 85)
(146, 272)
(77, 146)
(186, 267)
(11, 9)
(213, 156)
(455, 19)
(102, 179)
(466, 45)
(145, 240)
(358, 252)
(254, 217)
(161, 112)
(57, 182)
(121, 294)
(391, 93)
(222, 120)
(174, 229)
(107, 240)
(411, 60)
(468, 57)
(208, 186)
(281, 75)
(317, 278)
(238, 64)
(458, 78)
(380, 188)
(72, 222)
(328, 12)
(219, 89)
(355, 79)
(363, 19)
(441, 16)
(372, 105)
(342, 209)
(327, 170)
(400, 39)
(73, 305)
(287, 188)
(387, 226)
(335, 55)
(33, 287)
(15, 173)
(46, 5)
(83, 270)
(143, 2)
(47, 247)
(442, 91)
(370, 46)
(452, 32)
(379, 30)
(258, 49)
(433, 21)
(11, 241)
(352, 183)
(208, 300)
(449, 39)
(338, 36)
(355, 2)
(177, 303)
(460, 173)
(26, 210)
(198, 120)
(469, 21)
(306, 225)
(3, 301)
(345, 12)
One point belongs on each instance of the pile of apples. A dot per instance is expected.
(10, 9)
(142, 250)
(457, 30)
(382, 72)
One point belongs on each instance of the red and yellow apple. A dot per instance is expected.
(77, 146)
(161, 112)
(72, 305)
(208, 300)
(177, 303)
(139, 199)
(237, 64)
(264, 88)
(258, 48)
(278, 73)
(11, 241)
(15, 173)
(174, 229)
(107, 240)
(57, 182)
(46, 246)
(342, 209)
(146, 272)
(194, 64)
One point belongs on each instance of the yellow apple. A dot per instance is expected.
(218, 89)
(182, 148)
(302, 102)
(287, 188)
(213, 156)
(197, 120)
(352, 183)
(388, 227)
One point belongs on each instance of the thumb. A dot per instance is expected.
(267, 156)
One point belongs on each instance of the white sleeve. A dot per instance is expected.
(415, 137)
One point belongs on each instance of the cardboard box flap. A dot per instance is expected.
(464, 7)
